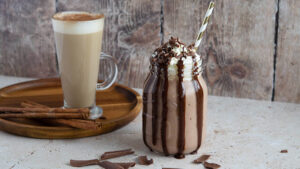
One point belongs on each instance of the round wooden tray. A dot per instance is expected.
(120, 106)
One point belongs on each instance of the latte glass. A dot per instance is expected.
(78, 39)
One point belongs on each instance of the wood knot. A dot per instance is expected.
(238, 70)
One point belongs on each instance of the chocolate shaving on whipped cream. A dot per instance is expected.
(142, 160)
(173, 52)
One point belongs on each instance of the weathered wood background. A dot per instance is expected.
(251, 48)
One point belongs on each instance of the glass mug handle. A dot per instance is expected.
(113, 68)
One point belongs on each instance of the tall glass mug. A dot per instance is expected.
(78, 38)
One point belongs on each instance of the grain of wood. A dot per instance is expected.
(132, 32)
(26, 38)
(238, 46)
(287, 87)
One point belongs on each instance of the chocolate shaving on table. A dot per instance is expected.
(114, 154)
(110, 165)
(201, 159)
(144, 161)
(126, 165)
(211, 165)
(82, 163)
(284, 151)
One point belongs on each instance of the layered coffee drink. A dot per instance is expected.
(78, 37)
(174, 100)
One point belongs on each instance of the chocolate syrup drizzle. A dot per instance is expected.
(145, 98)
(155, 108)
(165, 111)
(160, 63)
(181, 107)
(200, 101)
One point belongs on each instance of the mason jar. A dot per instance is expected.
(174, 107)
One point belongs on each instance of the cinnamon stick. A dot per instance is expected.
(44, 109)
(76, 123)
(32, 104)
(45, 115)
(114, 154)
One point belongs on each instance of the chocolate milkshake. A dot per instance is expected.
(174, 100)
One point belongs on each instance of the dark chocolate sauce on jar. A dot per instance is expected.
(165, 111)
(200, 101)
(145, 102)
(181, 107)
(155, 108)
(158, 75)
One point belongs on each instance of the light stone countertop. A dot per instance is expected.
(241, 134)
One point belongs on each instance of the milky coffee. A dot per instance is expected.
(78, 37)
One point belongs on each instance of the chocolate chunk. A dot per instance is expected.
(142, 160)
(114, 154)
(284, 151)
(82, 163)
(201, 159)
(211, 165)
(110, 165)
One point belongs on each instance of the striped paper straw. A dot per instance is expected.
(204, 24)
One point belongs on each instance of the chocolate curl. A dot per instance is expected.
(284, 151)
(211, 165)
(201, 159)
(82, 163)
(114, 154)
(126, 165)
(144, 161)
(109, 165)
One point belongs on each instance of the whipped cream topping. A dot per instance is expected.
(188, 69)
(171, 52)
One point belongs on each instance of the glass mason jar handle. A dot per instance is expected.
(113, 69)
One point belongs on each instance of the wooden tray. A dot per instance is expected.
(120, 106)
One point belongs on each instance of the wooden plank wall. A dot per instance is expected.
(238, 48)
(287, 87)
(26, 38)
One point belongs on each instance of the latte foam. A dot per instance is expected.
(74, 22)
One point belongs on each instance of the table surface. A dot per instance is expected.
(241, 133)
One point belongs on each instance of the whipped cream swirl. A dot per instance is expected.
(171, 52)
